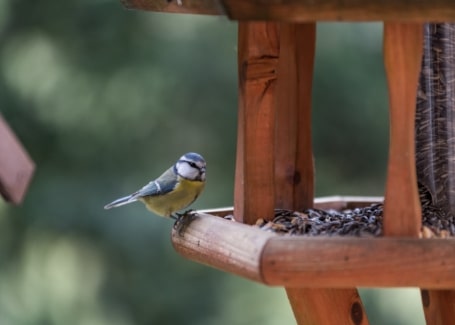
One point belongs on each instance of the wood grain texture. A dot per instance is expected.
(254, 195)
(339, 10)
(362, 262)
(223, 244)
(308, 10)
(403, 45)
(439, 306)
(294, 170)
(318, 262)
(334, 306)
(16, 167)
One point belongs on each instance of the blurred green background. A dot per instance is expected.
(104, 99)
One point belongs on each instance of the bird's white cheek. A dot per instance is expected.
(187, 171)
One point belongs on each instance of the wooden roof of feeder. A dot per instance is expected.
(307, 10)
(16, 167)
(274, 166)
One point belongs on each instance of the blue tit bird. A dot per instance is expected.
(174, 190)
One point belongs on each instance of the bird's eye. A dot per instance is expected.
(192, 164)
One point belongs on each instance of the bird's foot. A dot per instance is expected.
(182, 220)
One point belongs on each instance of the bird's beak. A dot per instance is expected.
(202, 174)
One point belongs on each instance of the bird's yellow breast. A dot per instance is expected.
(184, 193)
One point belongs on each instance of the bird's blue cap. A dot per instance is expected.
(193, 156)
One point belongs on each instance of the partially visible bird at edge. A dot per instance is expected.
(174, 190)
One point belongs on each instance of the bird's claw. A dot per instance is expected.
(182, 220)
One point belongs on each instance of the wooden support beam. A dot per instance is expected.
(403, 43)
(318, 262)
(294, 170)
(339, 10)
(16, 167)
(307, 10)
(363, 262)
(254, 195)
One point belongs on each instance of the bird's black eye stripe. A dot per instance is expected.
(192, 164)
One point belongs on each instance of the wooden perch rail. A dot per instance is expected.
(308, 10)
(317, 262)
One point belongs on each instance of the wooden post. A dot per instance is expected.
(254, 195)
(402, 57)
(294, 171)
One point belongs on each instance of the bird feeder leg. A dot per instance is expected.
(439, 306)
(294, 169)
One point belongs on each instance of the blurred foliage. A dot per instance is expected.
(104, 99)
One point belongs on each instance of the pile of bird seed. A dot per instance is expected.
(360, 222)
(313, 222)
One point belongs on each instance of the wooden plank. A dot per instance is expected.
(223, 244)
(403, 45)
(339, 10)
(16, 167)
(363, 262)
(294, 170)
(307, 10)
(317, 262)
(257, 64)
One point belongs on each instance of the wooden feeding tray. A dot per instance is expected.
(274, 165)
(317, 261)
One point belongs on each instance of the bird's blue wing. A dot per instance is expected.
(161, 186)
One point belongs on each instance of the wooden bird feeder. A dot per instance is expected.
(274, 166)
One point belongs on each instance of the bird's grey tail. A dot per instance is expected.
(122, 201)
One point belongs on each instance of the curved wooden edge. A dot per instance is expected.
(223, 244)
(317, 262)
(306, 10)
